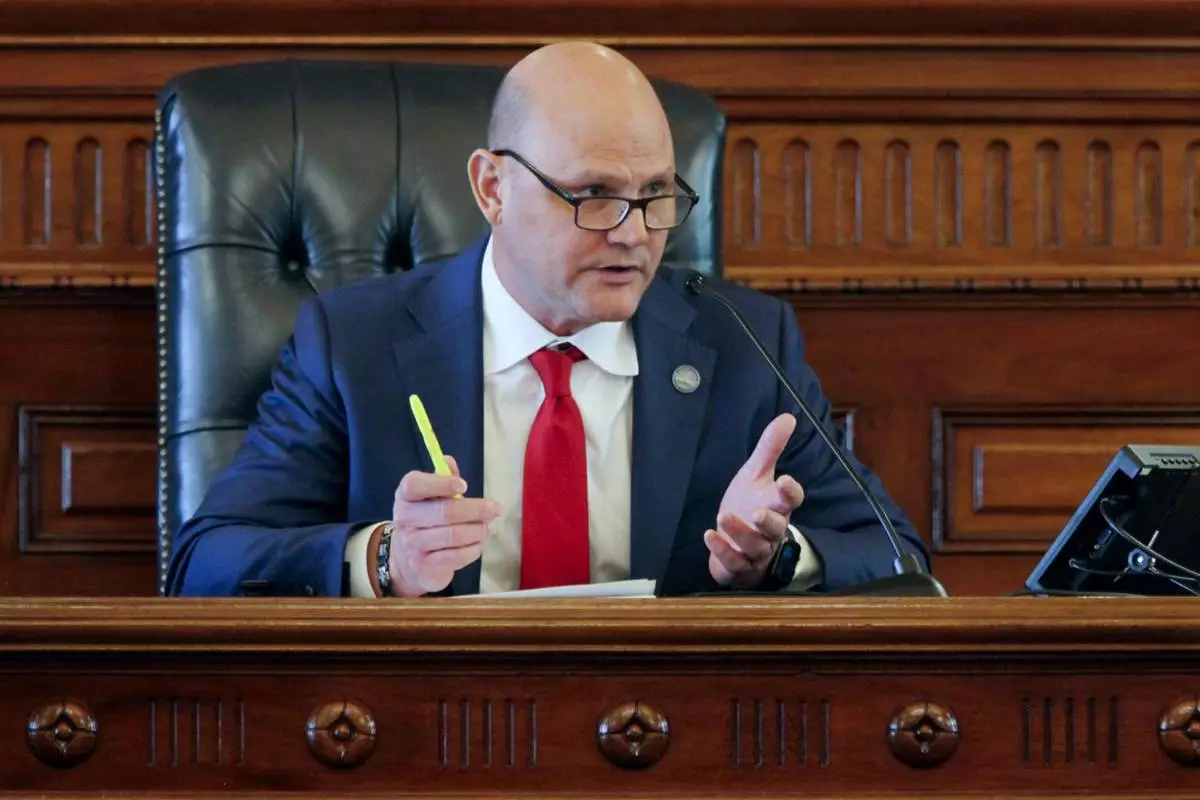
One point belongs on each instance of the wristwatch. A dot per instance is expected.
(782, 569)
(383, 559)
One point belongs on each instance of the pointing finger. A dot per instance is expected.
(770, 445)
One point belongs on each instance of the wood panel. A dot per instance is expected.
(966, 207)
(888, 206)
(1010, 698)
(77, 467)
(931, 379)
(721, 19)
(81, 200)
(1079, 202)
(1008, 481)
(87, 480)
(985, 214)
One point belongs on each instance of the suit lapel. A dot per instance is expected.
(667, 423)
(444, 366)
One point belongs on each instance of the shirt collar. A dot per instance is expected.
(510, 334)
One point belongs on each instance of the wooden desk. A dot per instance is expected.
(1015, 696)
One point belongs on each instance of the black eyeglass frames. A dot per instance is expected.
(603, 213)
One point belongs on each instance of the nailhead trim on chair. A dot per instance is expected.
(160, 159)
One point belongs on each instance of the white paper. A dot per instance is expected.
(634, 588)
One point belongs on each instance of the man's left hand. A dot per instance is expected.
(754, 512)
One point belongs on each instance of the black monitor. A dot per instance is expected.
(1136, 532)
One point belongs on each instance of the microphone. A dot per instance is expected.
(910, 580)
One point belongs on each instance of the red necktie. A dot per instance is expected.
(554, 528)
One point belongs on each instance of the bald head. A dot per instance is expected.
(569, 80)
(508, 113)
(578, 122)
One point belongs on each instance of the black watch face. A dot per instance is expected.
(789, 558)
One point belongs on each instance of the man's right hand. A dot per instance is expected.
(436, 531)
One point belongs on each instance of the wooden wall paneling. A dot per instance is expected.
(1050, 386)
(762, 79)
(906, 207)
(1006, 480)
(87, 479)
(78, 201)
(723, 20)
(984, 213)
(77, 443)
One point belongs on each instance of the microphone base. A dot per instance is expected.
(908, 584)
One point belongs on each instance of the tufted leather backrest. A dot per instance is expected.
(277, 180)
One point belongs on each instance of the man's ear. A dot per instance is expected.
(483, 168)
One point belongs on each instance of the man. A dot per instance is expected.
(601, 422)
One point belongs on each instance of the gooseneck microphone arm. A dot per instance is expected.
(905, 564)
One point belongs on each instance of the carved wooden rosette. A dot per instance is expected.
(923, 735)
(1179, 731)
(62, 734)
(633, 735)
(341, 734)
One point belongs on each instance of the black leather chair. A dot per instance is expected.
(277, 180)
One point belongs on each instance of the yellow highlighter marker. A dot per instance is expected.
(431, 443)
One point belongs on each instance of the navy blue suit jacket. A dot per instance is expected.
(334, 436)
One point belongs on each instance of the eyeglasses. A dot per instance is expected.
(603, 213)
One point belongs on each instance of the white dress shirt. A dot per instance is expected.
(602, 386)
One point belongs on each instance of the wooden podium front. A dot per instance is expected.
(619, 698)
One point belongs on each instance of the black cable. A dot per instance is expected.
(1127, 536)
(1185, 581)
(1076, 564)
